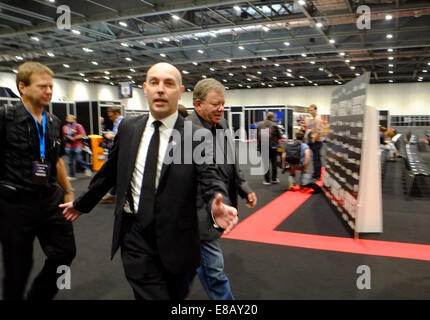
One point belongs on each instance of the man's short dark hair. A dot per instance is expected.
(300, 135)
(114, 110)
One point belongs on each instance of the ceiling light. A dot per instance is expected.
(35, 38)
(82, 74)
(270, 86)
(128, 59)
(224, 80)
(390, 50)
(227, 88)
(290, 75)
(88, 50)
(244, 67)
(200, 51)
(347, 61)
(228, 60)
(264, 58)
(195, 63)
(303, 54)
(185, 72)
(163, 55)
(391, 71)
(130, 77)
(301, 77)
(95, 63)
(86, 80)
(388, 17)
(266, 29)
(352, 68)
(428, 63)
(319, 25)
(132, 70)
(259, 72)
(389, 36)
(289, 70)
(276, 65)
(312, 62)
(390, 58)
(310, 81)
(174, 16)
(122, 23)
(286, 43)
(425, 71)
(237, 8)
(189, 90)
(240, 85)
(231, 74)
(76, 31)
(302, 2)
(15, 71)
(124, 44)
(249, 87)
(107, 72)
(274, 78)
(52, 1)
(106, 77)
(292, 84)
(248, 79)
(342, 54)
(286, 82)
(19, 57)
(420, 80)
(315, 84)
(332, 41)
(212, 69)
(203, 76)
(111, 83)
(166, 39)
(51, 54)
(357, 74)
(320, 69)
(391, 65)
(241, 48)
(390, 81)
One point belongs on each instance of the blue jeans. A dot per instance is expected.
(316, 157)
(72, 154)
(211, 272)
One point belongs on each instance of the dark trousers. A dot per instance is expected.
(143, 267)
(31, 215)
(273, 166)
(316, 158)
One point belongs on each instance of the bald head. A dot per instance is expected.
(163, 89)
(162, 67)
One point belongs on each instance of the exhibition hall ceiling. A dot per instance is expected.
(244, 44)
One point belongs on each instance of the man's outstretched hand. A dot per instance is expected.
(69, 212)
(225, 216)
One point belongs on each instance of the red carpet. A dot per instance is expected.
(259, 227)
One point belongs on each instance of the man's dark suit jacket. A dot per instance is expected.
(240, 187)
(175, 199)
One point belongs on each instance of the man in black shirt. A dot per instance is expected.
(30, 166)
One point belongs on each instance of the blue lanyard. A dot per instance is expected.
(41, 138)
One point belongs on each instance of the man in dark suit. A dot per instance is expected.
(208, 98)
(155, 215)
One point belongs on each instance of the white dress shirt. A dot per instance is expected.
(165, 131)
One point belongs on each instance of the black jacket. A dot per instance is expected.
(175, 212)
(236, 184)
(20, 147)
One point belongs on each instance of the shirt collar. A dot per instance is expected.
(207, 124)
(168, 122)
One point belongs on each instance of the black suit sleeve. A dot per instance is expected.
(102, 182)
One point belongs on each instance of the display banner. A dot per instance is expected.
(351, 146)
(125, 90)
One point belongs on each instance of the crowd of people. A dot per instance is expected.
(160, 260)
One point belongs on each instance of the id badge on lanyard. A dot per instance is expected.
(41, 169)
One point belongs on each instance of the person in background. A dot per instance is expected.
(297, 154)
(114, 114)
(314, 132)
(208, 97)
(274, 136)
(183, 111)
(73, 133)
(33, 182)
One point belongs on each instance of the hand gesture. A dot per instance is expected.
(225, 216)
(251, 200)
(69, 212)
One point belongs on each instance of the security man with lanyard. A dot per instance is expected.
(30, 166)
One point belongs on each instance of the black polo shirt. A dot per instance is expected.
(20, 147)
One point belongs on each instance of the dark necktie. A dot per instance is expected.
(145, 213)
